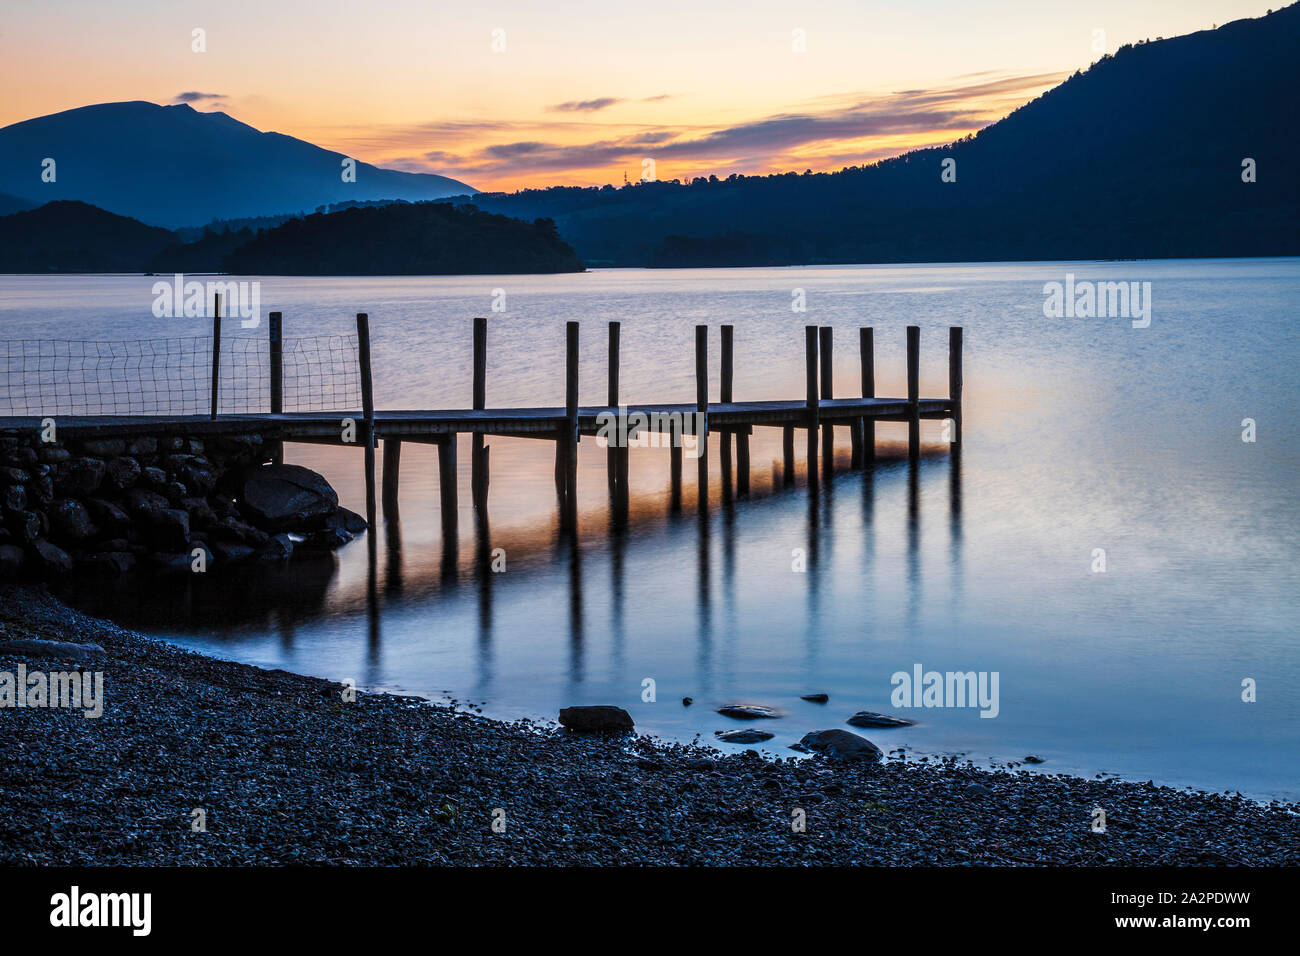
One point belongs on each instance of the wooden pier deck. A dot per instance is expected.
(733, 421)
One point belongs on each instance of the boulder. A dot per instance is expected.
(110, 518)
(596, 719)
(744, 736)
(346, 520)
(748, 712)
(104, 447)
(70, 521)
(122, 473)
(79, 477)
(169, 528)
(841, 745)
(14, 498)
(231, 552)
(869, 718)
(286, 498)
(816, 698)
(50, 557)
(278, 547)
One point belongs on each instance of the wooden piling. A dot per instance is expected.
(787, 455)
(447, 495)
(570, 443)
(724, 396)
(392, 465)
(611, 399)
(368, 410)
(812, 415)
(867, 359)
(477, 464)
(955, 381)
(275, 349)
(702, 414)
(827, 343)
(913, 392)
(216, 351)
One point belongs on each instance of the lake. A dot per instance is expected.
(1080, 434)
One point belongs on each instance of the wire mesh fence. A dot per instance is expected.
(173, 376)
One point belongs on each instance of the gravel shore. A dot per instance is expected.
(287, 772)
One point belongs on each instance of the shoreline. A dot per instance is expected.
(287, 772)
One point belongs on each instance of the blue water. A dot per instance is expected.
(1080, 434)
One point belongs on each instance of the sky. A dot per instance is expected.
(506, 94)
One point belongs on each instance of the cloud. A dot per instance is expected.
(585, 106)
(193, 96)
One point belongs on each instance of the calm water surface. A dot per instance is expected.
(1080, 434)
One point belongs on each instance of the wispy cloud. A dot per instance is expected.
(585, 106)
(193, 96)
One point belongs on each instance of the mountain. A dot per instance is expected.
(405, 239)
(1141, 156)
(174, 166)
(69, 236)
(12, 204)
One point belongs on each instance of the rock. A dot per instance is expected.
(54, 455)
(287, 498)
(745, 736)
(14, 498)
(597, 719)
(142, 447)
(79, 477)
(110, 518)
(122, 473)
(51, 558)
(232, 529)
(163, 562)
(26, 526)
(11, 560)
(50, 650)
(153, 477)
(14, 476)
(21, 458)
(816, 698)
(326, 539)
(687, 701)
(349, 521)
(277, 548)
(1034, 758)
(201, 513)
(111, 564)
(142, 502)
(841, 745)
(869, 718)
(231, 552)
(41, 490)
(169, 528)
(70, 521)
(748, 712)
(175, 492)
(104, 447)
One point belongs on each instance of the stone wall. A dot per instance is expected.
(158, 504)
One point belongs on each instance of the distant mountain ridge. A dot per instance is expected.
(1141, 156)
(173, 166)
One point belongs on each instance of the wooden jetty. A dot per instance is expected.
(732, 421)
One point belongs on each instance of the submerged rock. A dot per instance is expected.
(841, 745)
(816, 698)
(748, 712)
(1034, 758)
(51, 650)
(596, 719)
(869, 718)
(746, 736)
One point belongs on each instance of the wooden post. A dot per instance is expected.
(478, 471)
(392, 460)
(812, 414)
(742, 461)
(867, 357)
(913, 392)
(955, 382)
(275, 333)
(611, 451)
(724, 396)
(675, 470)
(827, 392)
(447, 488)
(216, 350)
(570, 443)
(368, 410)
(702, 415)
(787, 456)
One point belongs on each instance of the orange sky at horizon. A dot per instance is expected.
(510, 95)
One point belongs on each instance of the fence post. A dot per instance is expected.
(725, 396)
(216, 350)
(567, 447)
(478, 464)
(368, 410)
(867, 356)
(611, 399)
